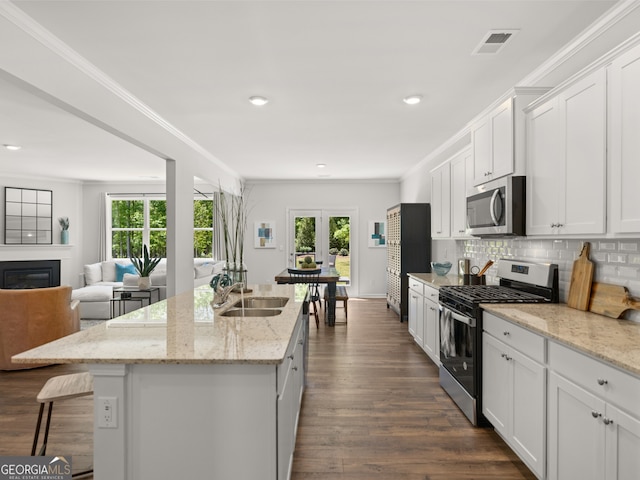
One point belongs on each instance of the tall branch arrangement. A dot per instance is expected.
(233, 216)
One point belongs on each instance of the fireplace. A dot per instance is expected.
(30, 274)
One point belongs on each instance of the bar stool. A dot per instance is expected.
(62, 387)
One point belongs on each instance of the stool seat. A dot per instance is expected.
(58, 388)
(341, 295)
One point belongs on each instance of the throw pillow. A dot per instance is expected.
(92, 273)
(122, 269)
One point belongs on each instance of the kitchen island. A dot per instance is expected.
(195, 394)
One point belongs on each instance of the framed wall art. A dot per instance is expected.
(377, 234)
(265, 234)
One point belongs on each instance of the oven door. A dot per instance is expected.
(457, 347)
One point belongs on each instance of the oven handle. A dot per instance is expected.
(458, 317)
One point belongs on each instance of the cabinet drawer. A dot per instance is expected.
(431, 293)
(602, 379)
(416, 285)
(521, 339)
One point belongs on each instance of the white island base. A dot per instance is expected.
(186, 421)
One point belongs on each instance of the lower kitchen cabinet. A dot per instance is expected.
(431, 317)
(424, 317)
(592, 432)
(514, 388)
(290, 378)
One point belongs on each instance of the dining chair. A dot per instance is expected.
(312, 278)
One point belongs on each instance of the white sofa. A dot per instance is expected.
(100, 278)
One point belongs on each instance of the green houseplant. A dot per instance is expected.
(144, 266)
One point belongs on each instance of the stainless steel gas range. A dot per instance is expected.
(461, 326)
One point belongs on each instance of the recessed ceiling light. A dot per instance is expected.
(258, 101)
(321, 165)
(412, 99)
(12, 147)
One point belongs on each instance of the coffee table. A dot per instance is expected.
(122, 295)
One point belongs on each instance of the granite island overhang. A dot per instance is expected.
(195, 394)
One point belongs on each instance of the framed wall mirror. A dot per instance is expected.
(28, 216)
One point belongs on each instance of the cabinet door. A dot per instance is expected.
(461, 180)
(415, 303)
(431, 330)
(285, 406)
(527, 430)
(420, 314)
(481, 149)
(543, 175)
(502, 140)
(440, 202)
(581, 201)
(576, 437)
(623, 445)
(624, 142)
(496, 383)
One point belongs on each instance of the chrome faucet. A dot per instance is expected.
(221, 294)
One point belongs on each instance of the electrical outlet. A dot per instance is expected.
(107, 412)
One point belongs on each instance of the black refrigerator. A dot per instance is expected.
(408, 251)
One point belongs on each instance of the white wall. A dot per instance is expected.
(270, 201)
(67, 202)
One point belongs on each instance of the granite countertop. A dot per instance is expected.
(182, 329)
(614, 341)
(437, 281)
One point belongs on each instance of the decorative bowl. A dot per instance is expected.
(441, 268)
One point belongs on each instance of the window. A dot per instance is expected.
(136, 221)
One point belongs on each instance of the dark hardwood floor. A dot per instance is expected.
(372, 410)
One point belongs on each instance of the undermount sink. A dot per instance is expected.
(251, 312)
(262, 302)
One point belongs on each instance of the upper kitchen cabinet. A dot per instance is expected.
(440, 201)
(461, 181)
(566, 159)
(624, 142)
(497, 139)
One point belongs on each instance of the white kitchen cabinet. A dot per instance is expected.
(594, 418)
(566, 160)
(461, 181)
(514, 388)
(431, 310)
(416, 300)
(290, 377)
(624, 142)
(440, 201)
(492, 140)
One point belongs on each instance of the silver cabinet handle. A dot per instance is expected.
(602, 381)
(607, 421)
(290, 357)
(595, 414)
(506, 333)
(294, 368)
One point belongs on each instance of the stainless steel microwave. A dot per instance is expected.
(497, 208)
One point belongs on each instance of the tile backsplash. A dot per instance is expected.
(617, 261)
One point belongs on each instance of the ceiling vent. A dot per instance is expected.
(493, 42)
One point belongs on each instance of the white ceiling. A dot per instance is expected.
(335, 73)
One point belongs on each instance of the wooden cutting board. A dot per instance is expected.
(611, 300)
(581, 278)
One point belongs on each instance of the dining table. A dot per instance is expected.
(328, 275)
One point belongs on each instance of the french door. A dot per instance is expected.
(326, 236)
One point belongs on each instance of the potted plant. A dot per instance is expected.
(64, 232)
(144, 266)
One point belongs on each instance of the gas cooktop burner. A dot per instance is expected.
(490, 294)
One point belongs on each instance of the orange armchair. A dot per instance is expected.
(30, 318)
